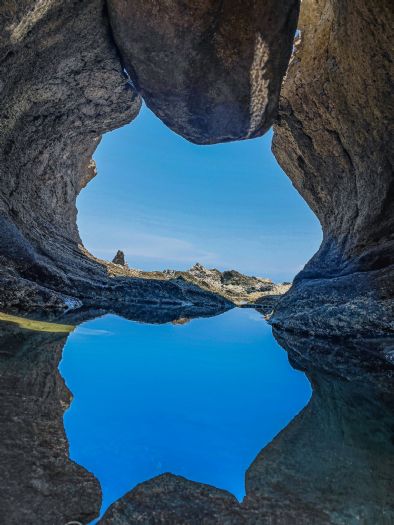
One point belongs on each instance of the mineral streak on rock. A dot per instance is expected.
(333, 138)
(211, 70)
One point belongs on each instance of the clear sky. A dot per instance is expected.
(168, 203)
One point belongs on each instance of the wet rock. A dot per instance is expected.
(210, 70)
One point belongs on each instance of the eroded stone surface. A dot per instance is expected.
(211, 70)
(62, 87)
(333, 139)
(174, 499)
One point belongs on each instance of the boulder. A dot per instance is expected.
(210, 70)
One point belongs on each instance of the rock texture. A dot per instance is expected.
(333, 139)
(173, 499)
(62, 86)
(211, 70)
(305, 475)
(240, 289)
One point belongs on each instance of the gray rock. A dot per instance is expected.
(211, 70)
(333, 138)
(173, 499)
(39, 483)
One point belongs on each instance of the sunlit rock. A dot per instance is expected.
(211, 70)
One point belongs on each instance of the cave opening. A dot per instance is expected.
(168, 203)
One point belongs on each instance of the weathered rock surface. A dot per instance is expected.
(174, 499)
(333, 139)
(62, 86)
(119, 258)
(211, 70)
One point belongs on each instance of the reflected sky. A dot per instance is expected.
(198, 399)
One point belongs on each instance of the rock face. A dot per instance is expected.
(305, 475)
(211, 70)
(62, 86)
(173, 499)
(333, 139)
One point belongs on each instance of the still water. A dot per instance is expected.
(197, 398)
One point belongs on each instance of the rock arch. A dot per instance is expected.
(63, 85)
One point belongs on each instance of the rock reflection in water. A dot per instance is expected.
(332, 464)
(39, 484)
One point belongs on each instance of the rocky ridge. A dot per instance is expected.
(239, 289)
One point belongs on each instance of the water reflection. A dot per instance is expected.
(333, 463)
(199, 399)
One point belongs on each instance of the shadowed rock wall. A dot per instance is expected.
(333, 138)
(211, 70)
(61, 85)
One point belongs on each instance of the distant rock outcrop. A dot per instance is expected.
(242, 290)
(119, 258)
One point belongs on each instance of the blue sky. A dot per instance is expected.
(168, 203)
